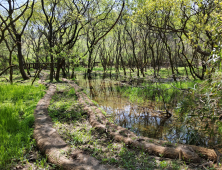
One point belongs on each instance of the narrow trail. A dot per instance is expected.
(50, 143)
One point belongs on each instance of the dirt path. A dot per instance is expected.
(50, 143)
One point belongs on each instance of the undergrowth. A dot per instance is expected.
(64, 101)
(17, 104)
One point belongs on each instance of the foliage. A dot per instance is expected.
(204, 100)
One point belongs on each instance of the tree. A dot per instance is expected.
(17, 18)
(99, 27)
(193, 23)
(10, 46)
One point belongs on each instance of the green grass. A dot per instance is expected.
(63, 105)
(168, 92)
(166, 72)
(97, 68)
(17, 104)
(80, 69)
(163, 72)
(17, 79)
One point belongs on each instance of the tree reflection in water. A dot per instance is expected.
(143, 119)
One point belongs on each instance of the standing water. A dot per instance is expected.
(143, 119)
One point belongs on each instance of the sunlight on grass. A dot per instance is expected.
(157, 92)
(17, 104)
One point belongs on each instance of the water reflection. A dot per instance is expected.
(142, 119)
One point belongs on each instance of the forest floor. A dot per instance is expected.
(72, 124)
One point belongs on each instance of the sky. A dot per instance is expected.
(5, 3)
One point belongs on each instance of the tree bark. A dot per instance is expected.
(89, 70)
(20, 57)
(58, 69)
(11, 68)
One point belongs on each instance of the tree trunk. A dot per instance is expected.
(11, 68)
(68, 64)
(20, 57)
(26, 66)
(63, 64)
(51, 67)
(138, 71)
(154, 61)
(58, 69)
(123, 66)
(171, 64)
(142, 71)
(89, 71)
(72, 75)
